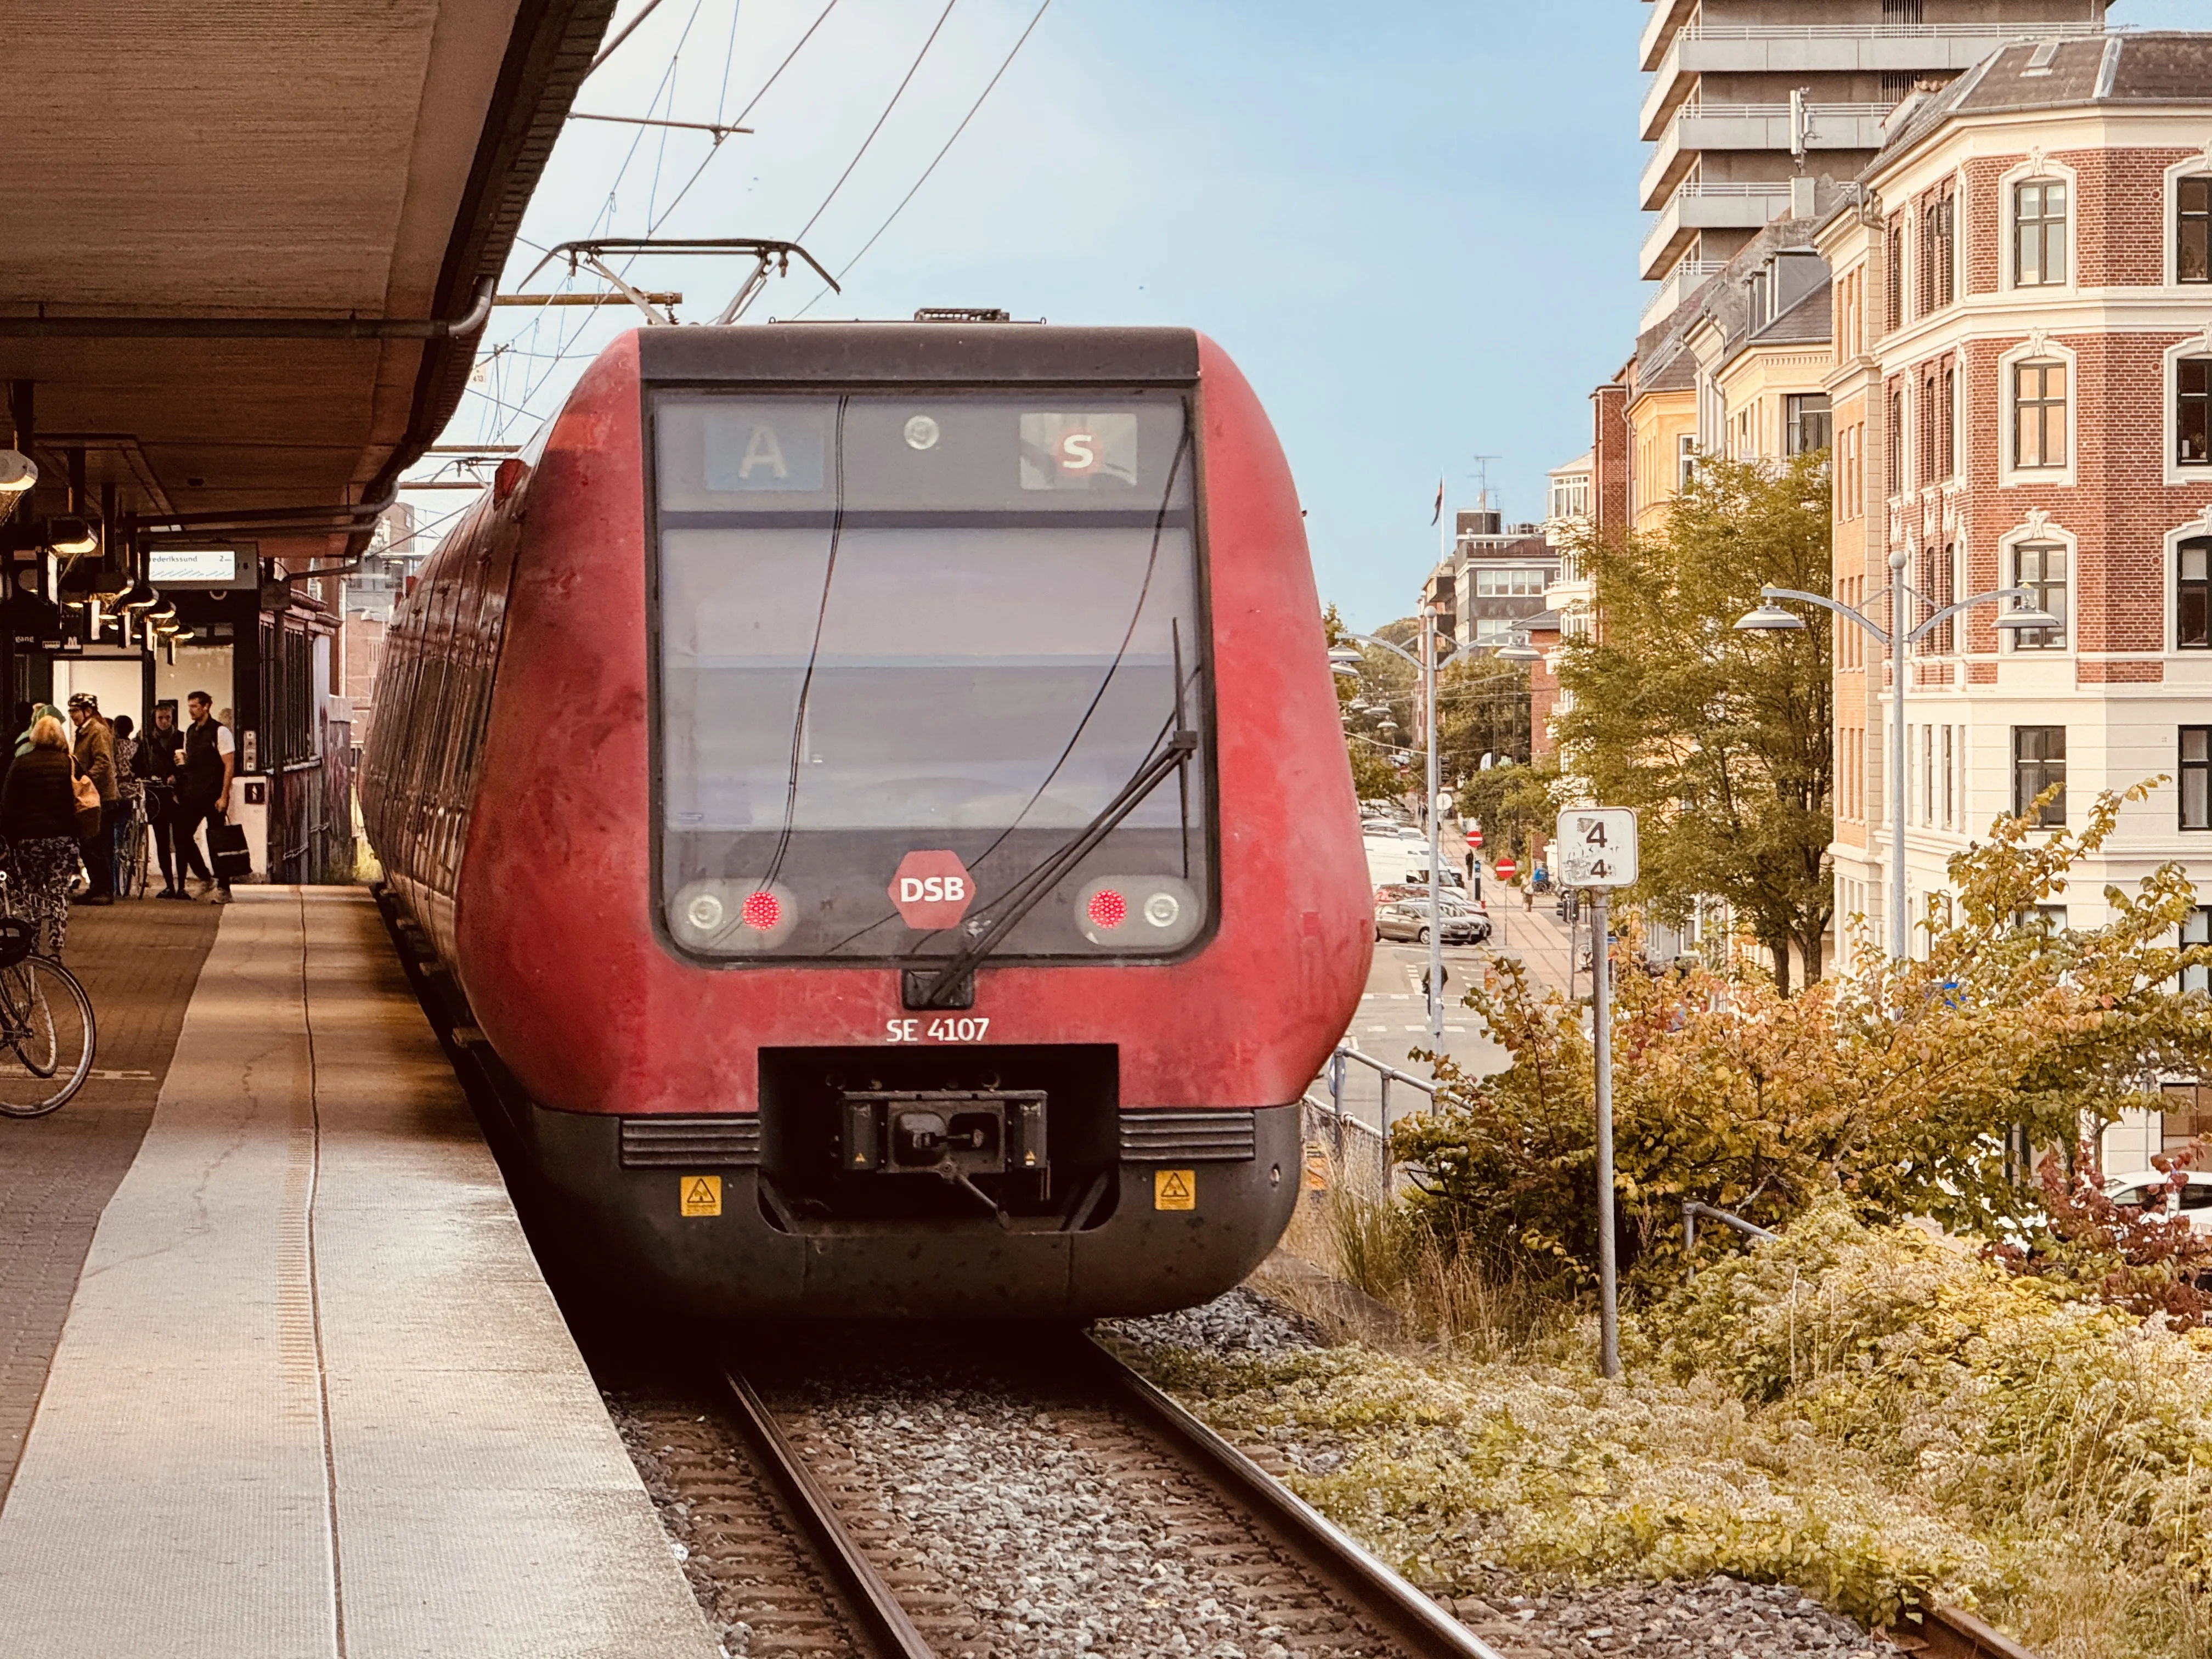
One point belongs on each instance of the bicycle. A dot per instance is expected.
(134, 873)
(47, 1032)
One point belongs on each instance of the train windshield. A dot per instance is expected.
(910, 649)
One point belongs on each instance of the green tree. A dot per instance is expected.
(1385, 690)
(1720, 739)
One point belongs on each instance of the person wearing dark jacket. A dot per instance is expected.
(207, 760)
(38, 816)
(157, 761)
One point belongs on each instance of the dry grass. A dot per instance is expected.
(1876, 1415)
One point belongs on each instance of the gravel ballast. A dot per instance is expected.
(1010, 1523)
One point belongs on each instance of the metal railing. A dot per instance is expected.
(1359, 1151)
(1695, 111)
(1759, 188)
(1698, 30)
(1692, 1210)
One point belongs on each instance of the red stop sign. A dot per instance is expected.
(931, 890)
(1505, 869)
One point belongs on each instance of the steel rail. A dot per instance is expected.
(854, 1578)
(1402, 1612)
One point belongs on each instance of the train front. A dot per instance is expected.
(923, 881)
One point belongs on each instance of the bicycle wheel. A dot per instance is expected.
(138, 864)
(46, 1037)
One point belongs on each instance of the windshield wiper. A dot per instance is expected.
(952, 986)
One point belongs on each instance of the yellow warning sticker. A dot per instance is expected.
(702, 1195)
(1316, 1167)
(1174, 1189)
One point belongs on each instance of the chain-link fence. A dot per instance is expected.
(1347, 1134)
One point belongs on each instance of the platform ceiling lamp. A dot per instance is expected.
(141, 595)
(72, 538)
(18, 473)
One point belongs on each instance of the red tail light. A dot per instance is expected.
(761, 911)
(1108, 908)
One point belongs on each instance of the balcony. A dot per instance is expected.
(1700, 127)
(1699, 48)
(1694, 207)
(1677, 286)
(1667, 16)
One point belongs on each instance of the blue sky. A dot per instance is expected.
(1412, 224)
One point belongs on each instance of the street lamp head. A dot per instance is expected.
(1770, 618)
(1518, 650)
(2026, 617)
(1343, 655)
(1348, 670)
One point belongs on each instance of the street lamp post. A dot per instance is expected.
(1426, 666)
(1771, 618)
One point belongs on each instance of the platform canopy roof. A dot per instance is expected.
(246, 247)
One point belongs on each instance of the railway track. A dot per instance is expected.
(826, 1508)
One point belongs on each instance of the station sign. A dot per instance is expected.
(231, 565)
(1597, 846)
(931, 889)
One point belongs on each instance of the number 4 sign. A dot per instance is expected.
(1597, 846)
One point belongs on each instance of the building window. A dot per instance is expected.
(1938, 243)
(1495, 630)
(1508, 584)
(2192, 595)
(1808, 418)
(1898, 482)
(1947, 428)
(2040, 567)
(1685, 460)
(2192, 411)
(2197, 777)
(1941, 583)
(2192, 231)
(2197, 930)
(2039, 414)
(1893, 274)
(2039, 233)
(2038, 763)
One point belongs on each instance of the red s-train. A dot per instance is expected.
(878, 789)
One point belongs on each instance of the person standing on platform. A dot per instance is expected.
(38, 815)
(129, 791)
(158, 761)
(203, 784)
(95, 759)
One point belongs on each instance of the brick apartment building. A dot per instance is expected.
(2023, 312)
(2022, 396)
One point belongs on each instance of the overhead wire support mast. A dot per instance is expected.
(720, 129)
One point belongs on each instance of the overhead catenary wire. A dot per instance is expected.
(905, 81)
(892, 216)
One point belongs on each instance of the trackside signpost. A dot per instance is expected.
(1597, 852)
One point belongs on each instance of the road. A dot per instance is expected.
(1392, 1017)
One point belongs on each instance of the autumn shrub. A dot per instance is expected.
(1896, 1088)
(2132, 1255)
(2063, 1431)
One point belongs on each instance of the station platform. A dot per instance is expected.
(312, 1396)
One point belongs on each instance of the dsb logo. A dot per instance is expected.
(931, 889)
(954, 888)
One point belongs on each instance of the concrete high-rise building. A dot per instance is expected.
(1752, 102)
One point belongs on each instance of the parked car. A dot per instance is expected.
(1409, 919)
(2152, 1187)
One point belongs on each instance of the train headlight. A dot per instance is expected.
(1143, 915)
(717, 916)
